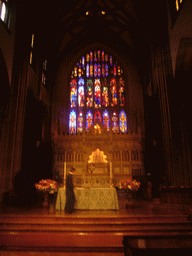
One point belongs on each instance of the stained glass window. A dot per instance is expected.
(113, 92)
(87, 70)
(81, 93)
(75, 71)
(91, 70)
(95, 70)
(114, 71)
(115, 126)
(111, 61)
(83, 61)
(89, 93)
(89, 120)
(99, 70)
(91, 56)
(105, 94)
(97, 93)
(123, 122)
(72, 122)
(102, 56)
(121, 93)
(73, 94)
(87, 57)
(106, 120)
(119, 70)
(95, 56)
(79, 71)
(106, 70)
(97, 116)
(106, 57)
(103, 69)
(80, 122)
(99, 53)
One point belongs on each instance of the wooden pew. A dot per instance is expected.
(164, 244)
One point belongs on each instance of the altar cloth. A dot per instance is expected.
(90, 199)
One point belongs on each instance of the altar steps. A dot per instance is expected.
(126, 225)
(79, 234)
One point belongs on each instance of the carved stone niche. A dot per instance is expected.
(98, 169)
(98, 174)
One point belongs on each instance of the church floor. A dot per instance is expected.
(5, 253)
(140, 208)
(8, 253)
(141, 211)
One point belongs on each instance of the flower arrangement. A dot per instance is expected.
(130, 185)
(47, 185)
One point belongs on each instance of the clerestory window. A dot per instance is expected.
(5, 13)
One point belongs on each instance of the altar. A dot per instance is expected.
(90, 199)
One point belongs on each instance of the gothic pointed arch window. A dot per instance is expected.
(97, 117)
(80, 122)
(72, 122)
(73, 93)
(122, 122)
(81, 93)
(113, 92)
(97, 94)
(121, 93)
(106, 120)
(105, 94)
(89, 120)
(89, 93)
(115, 126)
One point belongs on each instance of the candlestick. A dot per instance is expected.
(110, 167)
(64, 175)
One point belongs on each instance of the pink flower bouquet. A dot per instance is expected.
(131, 185)
(47, 185)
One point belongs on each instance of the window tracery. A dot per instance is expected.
(97, 94)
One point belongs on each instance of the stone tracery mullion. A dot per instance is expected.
(97, 76)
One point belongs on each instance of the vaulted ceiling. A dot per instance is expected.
(125, 26)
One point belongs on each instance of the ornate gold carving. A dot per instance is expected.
(97, 157)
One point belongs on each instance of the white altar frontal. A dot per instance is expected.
(97, 191)
(90, 199)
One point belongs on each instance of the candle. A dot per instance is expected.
(64, 176)
(110, 173)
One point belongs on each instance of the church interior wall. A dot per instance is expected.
(67, 148)
(22, 79)
(56, 112)
(8, 42)
(33, 82)
(180, 39)
(181, 29)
